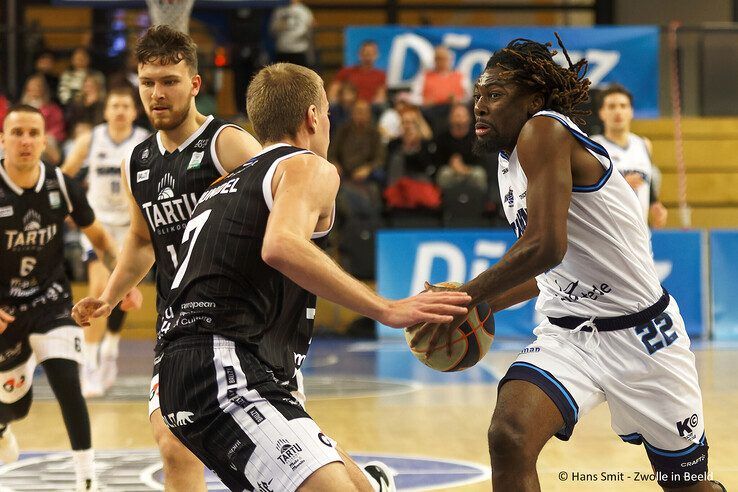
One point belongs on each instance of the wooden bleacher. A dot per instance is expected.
(711, 157)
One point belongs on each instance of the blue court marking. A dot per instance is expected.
(140, 471)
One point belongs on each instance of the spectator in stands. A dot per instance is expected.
(457, 163)
(36, 94)
(413, 154)
(292, 30)
(46, 65)
(441, 85)
(88, 104)
(340, 110)
(390, 122)
(370, 82)
(630, 153)
(72, 78)
(357, 150)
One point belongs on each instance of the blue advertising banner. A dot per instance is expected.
(627, 55)
(406, 259)
(723, 272)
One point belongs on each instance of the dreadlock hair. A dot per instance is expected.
(530, 65)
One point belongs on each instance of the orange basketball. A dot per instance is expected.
(469, 342)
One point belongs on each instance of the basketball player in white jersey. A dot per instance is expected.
(101, 152)
(164, 177)
(611, 332)
(630, 153)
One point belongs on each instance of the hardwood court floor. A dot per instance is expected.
(375, 399)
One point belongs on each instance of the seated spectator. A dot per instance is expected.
(36, 94)
(46, 65)
(411, 155)
(370, 82)
(390, 122)
(340, 110)
(457, 163)
(72, 78)
(442, 84)
(89, 103)
(357, 150)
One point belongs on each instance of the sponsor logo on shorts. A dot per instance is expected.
(13, 384)
(232, 393)
(266, 486)
(256, 415)
(14, 351)
(687, 464)
(325, 440)
(530, 350)
(240, 401)
(154, 391)
(686, 427)
(232, 451)
(179, 419)
(289, 454)
(230, 375)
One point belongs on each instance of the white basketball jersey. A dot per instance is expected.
(608, 269)
(633, 158)
(105, 194)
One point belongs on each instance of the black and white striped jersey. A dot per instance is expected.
(224, 287)
(32, 275)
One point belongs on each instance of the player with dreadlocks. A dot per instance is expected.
(610, 331)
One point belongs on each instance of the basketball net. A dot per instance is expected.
(173, 13)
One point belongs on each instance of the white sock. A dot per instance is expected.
(372, 481)
(109, 347)
(91, 350)
(84, 464)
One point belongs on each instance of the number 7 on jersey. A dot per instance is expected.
(194, 225)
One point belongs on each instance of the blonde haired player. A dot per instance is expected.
(100, 152)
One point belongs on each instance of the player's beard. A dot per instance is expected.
(176, 117)
(485, 146)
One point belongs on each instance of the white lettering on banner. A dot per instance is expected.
(601, 62)
(484, 251)
(427, 253)
(663, 269)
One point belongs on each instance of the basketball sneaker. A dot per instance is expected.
(108, 372)
(8, 445)
(92, 386)
(382, 474)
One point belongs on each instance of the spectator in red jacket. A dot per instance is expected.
(370, 82)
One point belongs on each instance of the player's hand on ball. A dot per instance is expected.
(5, 320)
(426, 307)
(90, 307)
(440, 334)
(132, 300)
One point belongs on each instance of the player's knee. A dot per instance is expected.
(507, 443)
(173, 453)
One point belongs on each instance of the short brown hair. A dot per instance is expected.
(278, 99)
(168, 46)
(121, 90)
(22, 108)
(613, 89)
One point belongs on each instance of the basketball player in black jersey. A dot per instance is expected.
(240, 312)
(35, 296)
(166, 174)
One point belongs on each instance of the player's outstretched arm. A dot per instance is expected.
(233, 147)
(73, 163)
(303, 198)
(134, 262)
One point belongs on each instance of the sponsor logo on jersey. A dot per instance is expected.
(142, 175)
(202, 143)
(145, 154)
(166, 187)
(195, 160)
(54, 199)
(179, 419)
(289, 454)
(166, 213)
(6, 211)
(33, 236)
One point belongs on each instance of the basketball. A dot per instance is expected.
(469, 342)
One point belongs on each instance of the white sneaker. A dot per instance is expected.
(8, 446)
(88, 485)
(108, 372)
(92, 386)
(382, 474)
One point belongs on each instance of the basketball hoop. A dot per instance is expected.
(173, 13)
